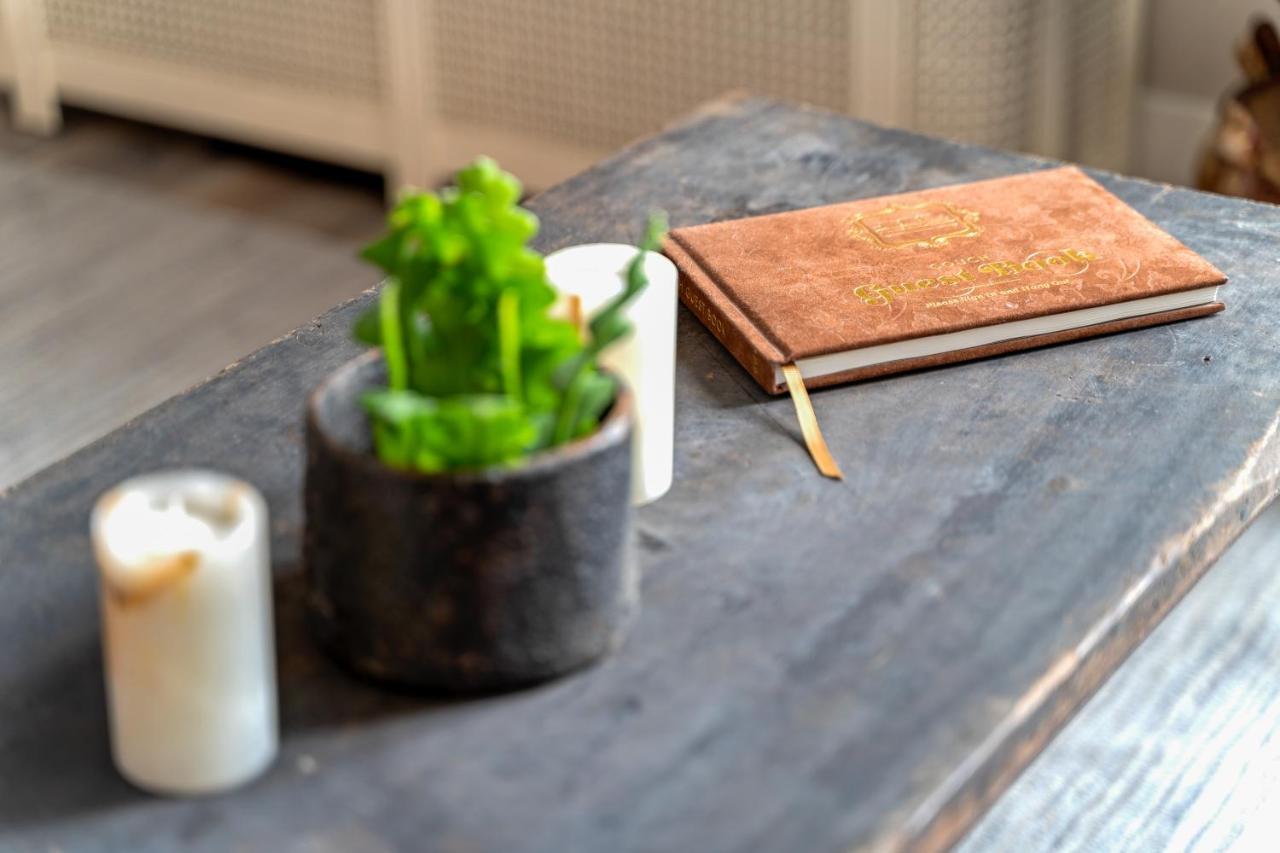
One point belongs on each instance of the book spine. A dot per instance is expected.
(720, 317)
(730, 335)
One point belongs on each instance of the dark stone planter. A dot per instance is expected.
(471, 581)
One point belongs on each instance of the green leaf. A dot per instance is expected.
(385, 253)
(368, 326)
(393, 335)
(579, 408)
(479, 373)
(462, 432)
(509, 343)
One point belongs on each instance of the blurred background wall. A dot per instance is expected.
(1188, 64)
(412, 88)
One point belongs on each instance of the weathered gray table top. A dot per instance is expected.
(818, 666)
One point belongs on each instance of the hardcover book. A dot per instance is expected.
(867, 288)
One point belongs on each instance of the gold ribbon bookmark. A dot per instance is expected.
(575, 315)
(813, 439)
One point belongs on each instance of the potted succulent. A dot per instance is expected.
(467, 483)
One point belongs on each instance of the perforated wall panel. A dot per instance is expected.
(321, 45)
(594, 74)
(981, 74)
(974, 62)
(1099, 112)
(600, 72)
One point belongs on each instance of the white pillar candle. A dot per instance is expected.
(646, 358)
(187, 630)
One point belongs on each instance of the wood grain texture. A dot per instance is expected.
(817, 666)
(1179, 750)
(203, 173)
(119, 292)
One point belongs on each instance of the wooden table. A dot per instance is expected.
(818, 666)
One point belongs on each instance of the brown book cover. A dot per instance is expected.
(953, 273)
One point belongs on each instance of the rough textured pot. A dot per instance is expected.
(469, 581)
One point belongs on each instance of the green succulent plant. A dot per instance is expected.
(479, 373)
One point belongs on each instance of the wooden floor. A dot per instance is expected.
(172, 301)
(1179, 751)
(327, 201)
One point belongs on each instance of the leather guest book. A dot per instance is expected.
(867, 288)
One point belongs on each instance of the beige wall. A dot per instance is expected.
(1189, 62)
(1191, 43)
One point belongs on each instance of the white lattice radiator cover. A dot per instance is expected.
(418, 86)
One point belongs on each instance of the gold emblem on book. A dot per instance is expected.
(925, 225)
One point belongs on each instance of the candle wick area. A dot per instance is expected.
(143, 527)
(222, 514)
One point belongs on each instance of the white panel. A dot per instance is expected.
(347, 130)
(6, 55)
(1051, 76)
(601, 72)
(1104, 35)
(1171, 130)
(974, 75)
(407, 41)
(35, 90)
(419, 85)
(327, 46)
(1191, 44)
(882, 40)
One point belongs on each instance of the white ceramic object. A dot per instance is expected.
(185, 575)
(646, 359)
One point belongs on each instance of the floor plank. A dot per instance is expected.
(329, 201)
(1180, 750)
(188, 274)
